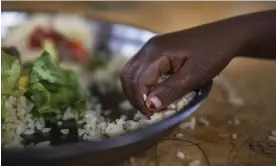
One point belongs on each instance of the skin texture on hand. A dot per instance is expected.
(194, 56)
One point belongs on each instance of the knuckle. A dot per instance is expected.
(152, 43)
(133, 78)
(153, 40)
(126, 68)
(127, 75)
(136, 76)
(130, 78)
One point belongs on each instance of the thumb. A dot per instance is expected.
(172, 88)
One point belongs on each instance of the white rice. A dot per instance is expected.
(40, 124)
(28, 132)
(190, 124)
(132, 160)
(42, 144)
(179, 135)
(139, 116)
(59, 123)
(64, 131)
(273, 133)
(114, 129)
(169, 113)
(204, 121)
(195, 163)
(123, 117)
(69, 114)
(184, 125)
(236, 122)
(131, 125)
(145, 97)
(19, 120)
(107, 112)
(97, 126)
(180, 155)
(234, 136)
(15, 122)
(125, 105)
(172, 106)
(46, 130)
(272, 138)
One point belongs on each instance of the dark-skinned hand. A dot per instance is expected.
(194, 56)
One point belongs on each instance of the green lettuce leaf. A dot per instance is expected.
(40, 97)
(53, 89)
(10, 73)
(44, 68)
(50, 47)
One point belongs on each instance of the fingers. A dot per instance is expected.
(132, 90)
(137, 81)
(186, 79)
(129, 81)
(147, 79)
(141, 73)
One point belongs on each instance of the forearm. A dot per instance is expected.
(254, 33)
(251, 35)
(262, 29)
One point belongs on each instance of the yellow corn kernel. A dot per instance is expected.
(23, 81)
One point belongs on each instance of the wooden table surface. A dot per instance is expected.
(255, 80)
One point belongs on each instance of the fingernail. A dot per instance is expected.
(154, 103)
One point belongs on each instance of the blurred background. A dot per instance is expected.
(121, 28)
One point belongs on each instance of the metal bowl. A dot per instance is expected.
(116, 149)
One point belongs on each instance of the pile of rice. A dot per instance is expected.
(93, 126)
(19, 120)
